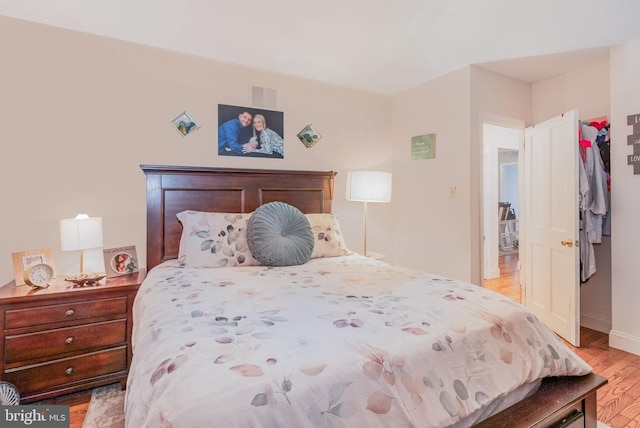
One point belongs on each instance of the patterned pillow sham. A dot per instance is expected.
(329, 241)
(214, 239)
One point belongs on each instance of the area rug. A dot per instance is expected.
(106, 408)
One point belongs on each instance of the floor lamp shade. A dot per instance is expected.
(368, 186)
(80, 233)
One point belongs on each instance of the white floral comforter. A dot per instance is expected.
(343, 341)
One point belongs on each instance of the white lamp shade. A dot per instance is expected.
(370, 186)
(81, 233)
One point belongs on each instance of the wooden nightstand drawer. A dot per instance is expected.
(63, 340)
(41, 377)
(16, 318)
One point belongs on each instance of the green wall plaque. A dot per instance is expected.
(423, 147)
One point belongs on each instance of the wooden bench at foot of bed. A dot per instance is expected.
(560, 402)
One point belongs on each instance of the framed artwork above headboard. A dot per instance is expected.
(172, 189)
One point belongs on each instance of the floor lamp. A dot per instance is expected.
(368, 186)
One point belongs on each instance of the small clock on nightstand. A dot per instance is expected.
(38, 275)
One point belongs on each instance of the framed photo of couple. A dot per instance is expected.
(250, 132)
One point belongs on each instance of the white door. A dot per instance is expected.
(550, 225)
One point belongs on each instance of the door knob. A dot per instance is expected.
(567, 243)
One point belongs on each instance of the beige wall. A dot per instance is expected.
(431, 231)
(499, 100)
(625, 200)
(586, 90)
(82, 112)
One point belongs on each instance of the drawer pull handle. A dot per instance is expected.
(69, 340)
(69, 371)
(70, 312)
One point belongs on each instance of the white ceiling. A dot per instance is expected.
(382, 46)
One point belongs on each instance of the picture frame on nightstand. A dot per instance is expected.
(120, 261)
(22, 260)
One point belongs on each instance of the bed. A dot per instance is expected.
(335, 340)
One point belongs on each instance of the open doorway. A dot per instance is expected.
(508, 213)
(501, 154)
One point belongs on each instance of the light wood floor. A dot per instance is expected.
(618, 401)
(78, 404)
(508, 283)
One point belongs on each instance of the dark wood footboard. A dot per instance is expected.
(560, 402)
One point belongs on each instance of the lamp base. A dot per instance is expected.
(375, 256)
(84, 279)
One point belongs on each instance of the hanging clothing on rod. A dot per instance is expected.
(594, 186)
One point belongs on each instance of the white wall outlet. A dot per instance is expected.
(452, 192)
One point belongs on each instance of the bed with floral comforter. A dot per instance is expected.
(337, 342)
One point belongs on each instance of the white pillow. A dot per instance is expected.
(328, 238)
(214, 239)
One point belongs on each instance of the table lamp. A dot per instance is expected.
(368, 186)
(81, 233)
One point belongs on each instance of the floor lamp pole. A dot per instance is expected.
(365, 228)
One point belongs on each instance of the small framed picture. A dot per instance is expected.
(120, 261)
(23, 259)
(185, 123)
(309, 135)
(423, 147)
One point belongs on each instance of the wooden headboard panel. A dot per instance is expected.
(171, 189)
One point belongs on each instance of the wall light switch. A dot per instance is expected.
(452, 192)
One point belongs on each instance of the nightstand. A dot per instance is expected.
(63, 339)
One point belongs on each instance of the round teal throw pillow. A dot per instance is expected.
(279, 234)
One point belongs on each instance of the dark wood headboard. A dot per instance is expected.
(172, 189)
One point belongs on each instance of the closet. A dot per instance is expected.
(594, 191)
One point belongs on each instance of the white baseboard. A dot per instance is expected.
(492, 273)
(597, 324)
(624, 342)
